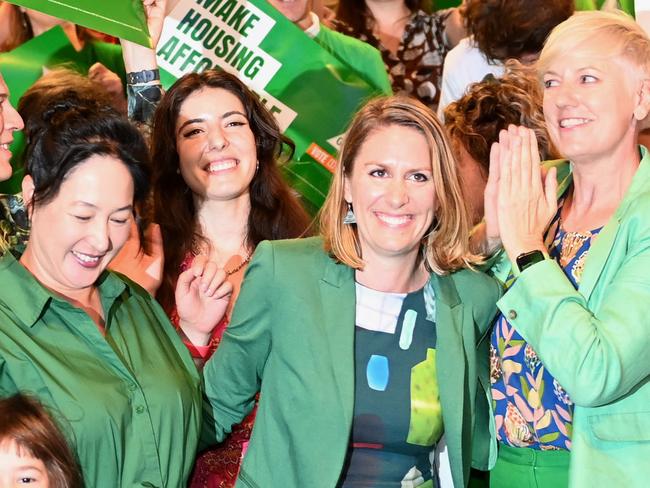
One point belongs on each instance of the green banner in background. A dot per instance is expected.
(312, 94)
(120, 18)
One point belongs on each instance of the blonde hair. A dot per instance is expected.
(621, 34)
(446, 245)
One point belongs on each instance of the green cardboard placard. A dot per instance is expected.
(24, 65)
(312, 94)
(120, 18)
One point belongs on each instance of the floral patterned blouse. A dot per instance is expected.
(14, 224)
(531, 408)
(416, 68)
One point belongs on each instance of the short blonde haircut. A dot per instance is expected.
(614, 32)
(446, 245)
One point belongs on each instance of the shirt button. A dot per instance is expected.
(512, 315)
(139, 409)
(133, 386)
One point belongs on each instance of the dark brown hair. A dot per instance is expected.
(476, 119)
(505, 29)
(24, 422)
(275, 212)
(60, 84)
(355, 12)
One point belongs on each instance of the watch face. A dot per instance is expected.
(527, 259)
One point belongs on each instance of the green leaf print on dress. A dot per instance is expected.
(425, 427)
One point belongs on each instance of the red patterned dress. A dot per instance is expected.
(218, 466)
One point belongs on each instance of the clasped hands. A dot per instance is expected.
(520, 200)
(202, 296)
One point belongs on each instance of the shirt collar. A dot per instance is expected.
(27, 298)
(314, 29)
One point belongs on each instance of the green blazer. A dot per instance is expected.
(292, 335)
(596, 340)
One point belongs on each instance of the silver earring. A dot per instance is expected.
(257, 166)
(349, 217)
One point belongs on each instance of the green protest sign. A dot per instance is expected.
(24, 65)
(120, 18)
(312, 94)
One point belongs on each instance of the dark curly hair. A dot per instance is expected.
(476, 119)
(505, 29)
(275, 212)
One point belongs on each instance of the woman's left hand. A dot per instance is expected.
(202, 296)
(526, 201)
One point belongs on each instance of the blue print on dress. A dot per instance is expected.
(377, 372)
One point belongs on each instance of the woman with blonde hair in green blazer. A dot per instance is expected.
(571, 378)
(362, 342)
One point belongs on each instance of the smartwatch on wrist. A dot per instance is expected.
(527, 259)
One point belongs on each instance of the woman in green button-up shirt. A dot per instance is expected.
(91, 345)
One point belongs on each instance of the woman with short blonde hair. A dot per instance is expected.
(570, 389)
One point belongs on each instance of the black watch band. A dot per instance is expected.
(144, 76)
(527, 259)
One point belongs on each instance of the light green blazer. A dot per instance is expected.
(292, 334)
(596, 340)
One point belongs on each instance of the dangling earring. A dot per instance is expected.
(257, 166)
(349, 217)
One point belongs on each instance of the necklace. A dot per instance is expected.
(240, 265)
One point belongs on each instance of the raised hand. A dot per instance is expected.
(526, 202)
(139, 58)
(155, 10)
(202, 296)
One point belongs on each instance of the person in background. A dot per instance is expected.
(413, 43)
(363, 342)
(570, 386)
(474, 122)
(499, 30)
(32, 448)
(358, 55)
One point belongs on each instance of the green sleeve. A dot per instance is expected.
(594, 356)
(360, 56)
(233, 374)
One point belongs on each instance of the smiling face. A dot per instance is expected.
(216, 146)
(76, 234)
(19, 468)
(10, 121)
(392, 193)
(592, 104)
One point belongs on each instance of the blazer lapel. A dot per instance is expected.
(600, 250)
(338, 299)
(449, 353)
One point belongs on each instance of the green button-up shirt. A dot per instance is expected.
(129, 402)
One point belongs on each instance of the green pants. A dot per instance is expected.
(521, 467)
